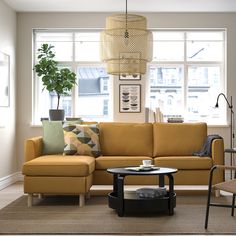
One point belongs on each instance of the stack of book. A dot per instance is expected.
(151, 192)
(175, 120)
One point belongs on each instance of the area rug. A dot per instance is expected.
(62, 215)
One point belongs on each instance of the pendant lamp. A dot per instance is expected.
(126, 44)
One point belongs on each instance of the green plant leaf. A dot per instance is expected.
(60, 81)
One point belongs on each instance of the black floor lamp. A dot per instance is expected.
(230, 106)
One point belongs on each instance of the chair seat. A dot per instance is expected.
(59, 165)
(228, 186)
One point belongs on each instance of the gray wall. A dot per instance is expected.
(28, 21)
(8, 150)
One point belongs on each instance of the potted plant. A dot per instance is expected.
(60, 81)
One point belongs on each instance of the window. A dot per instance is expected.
(78, 51)
(187, 74)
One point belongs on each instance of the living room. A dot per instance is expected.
(18, 20)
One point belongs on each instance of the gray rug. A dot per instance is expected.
(61, 215)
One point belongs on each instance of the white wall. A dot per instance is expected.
(8, 151)
(29, 21)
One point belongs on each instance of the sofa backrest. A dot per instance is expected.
(126, 139)
(173, 139)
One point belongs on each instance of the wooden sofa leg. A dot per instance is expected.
(30, 199)
(217, 193)
(81, 200)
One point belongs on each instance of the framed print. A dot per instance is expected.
(129, 77)
(130, 98)
(4, 80)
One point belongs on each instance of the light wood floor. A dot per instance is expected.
(14, 191)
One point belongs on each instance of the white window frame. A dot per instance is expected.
(72, 64)
(186, 64)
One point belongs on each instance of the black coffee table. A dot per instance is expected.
(123, 203)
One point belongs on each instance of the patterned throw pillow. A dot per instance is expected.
(81, 140)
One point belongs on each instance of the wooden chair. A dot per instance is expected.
(228, 186)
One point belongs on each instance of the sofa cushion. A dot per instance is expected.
(185, 162)
(53, 138)
(178, 139)
(104, 162)
(126, 139)
(59, 165)
(82, 140)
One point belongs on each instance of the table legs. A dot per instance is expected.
(171, 194)
(118, 190)
(171, 191)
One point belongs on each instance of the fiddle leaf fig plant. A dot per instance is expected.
(60, 81)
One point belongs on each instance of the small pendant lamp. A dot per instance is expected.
(126, 44)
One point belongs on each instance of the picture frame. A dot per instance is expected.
(130, 98)
(4, 80)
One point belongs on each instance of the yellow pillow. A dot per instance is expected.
(81, 140)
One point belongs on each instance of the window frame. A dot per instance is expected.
(186, 64)
(72, 64)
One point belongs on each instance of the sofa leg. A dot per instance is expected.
(40, 195)
(81, 200)
(30, 200)
(217, 193)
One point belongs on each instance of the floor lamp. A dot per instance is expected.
(230, 106)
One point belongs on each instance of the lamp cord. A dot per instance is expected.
(126, 22)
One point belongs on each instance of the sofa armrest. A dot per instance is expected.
(33, 148)
(217, 151)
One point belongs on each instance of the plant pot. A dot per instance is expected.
(55, 114)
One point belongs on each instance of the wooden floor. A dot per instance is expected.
(14, 191)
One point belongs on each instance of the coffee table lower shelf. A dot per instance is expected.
(133, 204)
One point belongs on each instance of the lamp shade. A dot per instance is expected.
(126, 44)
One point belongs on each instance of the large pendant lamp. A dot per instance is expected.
(126, 44)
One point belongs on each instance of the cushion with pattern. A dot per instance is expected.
(81, 139)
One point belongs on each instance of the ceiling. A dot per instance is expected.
(119, 5)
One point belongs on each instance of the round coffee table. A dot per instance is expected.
(121, 203)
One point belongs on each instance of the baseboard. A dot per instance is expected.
(10, 179)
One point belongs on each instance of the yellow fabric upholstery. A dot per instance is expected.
(174, 139)
(185, 162)
(59, 165)
(33, 148)
(104, 162)
(57, 184)
(218, 151)
(126, 139)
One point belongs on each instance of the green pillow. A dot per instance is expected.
(53, 137)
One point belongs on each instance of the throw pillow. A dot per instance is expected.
(53, 137)
(82, 140)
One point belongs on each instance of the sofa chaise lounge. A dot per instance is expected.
(123, 144)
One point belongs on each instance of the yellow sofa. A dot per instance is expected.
(123, 144)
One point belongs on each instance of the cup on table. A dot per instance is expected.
(147, 162)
